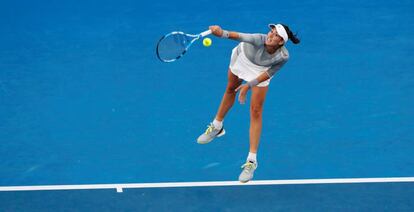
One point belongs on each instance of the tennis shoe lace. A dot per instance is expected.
(210, 128)
(248, 167)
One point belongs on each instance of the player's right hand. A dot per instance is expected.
(216, 30)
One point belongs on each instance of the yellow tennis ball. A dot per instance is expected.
(207, 42)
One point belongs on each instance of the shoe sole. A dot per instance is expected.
(246, 180)
(217, 136)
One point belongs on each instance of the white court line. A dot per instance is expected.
(120, 187)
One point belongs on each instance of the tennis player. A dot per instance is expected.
(254, 60)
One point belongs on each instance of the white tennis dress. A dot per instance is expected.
(250, 59)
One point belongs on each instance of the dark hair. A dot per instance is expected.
(292, 37)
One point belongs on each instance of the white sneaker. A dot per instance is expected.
(248, 171)
(210, 134)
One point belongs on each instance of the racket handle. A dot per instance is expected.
(205, 33)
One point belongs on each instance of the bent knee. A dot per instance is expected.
(231, 89)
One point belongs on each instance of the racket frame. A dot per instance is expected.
(195, 37)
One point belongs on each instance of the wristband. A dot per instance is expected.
(252, 83)
(225, 34)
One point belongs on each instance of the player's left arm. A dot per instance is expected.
(245, 87)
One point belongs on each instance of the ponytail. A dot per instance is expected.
(292, 37)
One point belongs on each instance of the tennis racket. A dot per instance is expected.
(174, 45)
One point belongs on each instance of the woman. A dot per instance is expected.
(254, 60)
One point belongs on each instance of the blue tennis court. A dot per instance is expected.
(85, 101)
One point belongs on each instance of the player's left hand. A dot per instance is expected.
(243, 92)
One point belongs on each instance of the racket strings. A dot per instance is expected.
(173, 46)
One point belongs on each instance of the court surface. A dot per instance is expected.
(84, 101)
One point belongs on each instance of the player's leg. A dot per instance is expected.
(256, 110)
(229, 96)
(216, 129)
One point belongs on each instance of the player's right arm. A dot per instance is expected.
(254, 39)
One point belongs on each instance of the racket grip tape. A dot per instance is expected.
(205, 33)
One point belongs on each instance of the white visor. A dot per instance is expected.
(281, 31)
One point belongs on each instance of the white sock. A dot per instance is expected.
(217, 124)
(252, 157)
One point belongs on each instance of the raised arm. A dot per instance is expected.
(219, 32)
(254, 39)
